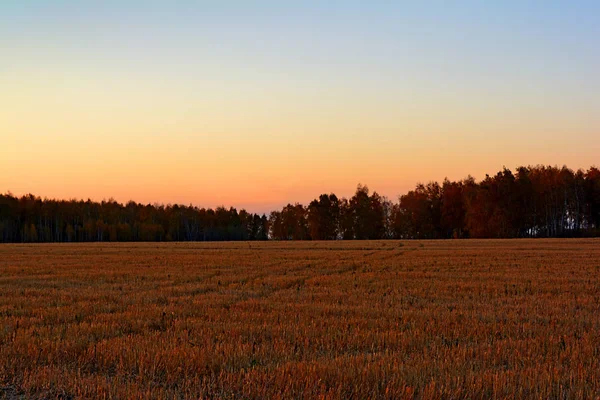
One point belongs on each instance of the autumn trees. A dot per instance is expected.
(533, 201)
(327, 218)
(418, 214)
(31, 219)
(291, 223)
(591, 191)
(323, 217)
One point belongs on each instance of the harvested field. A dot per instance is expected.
(372, 319)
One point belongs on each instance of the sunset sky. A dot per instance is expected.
(257, 104)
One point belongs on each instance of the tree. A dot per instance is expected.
(420, 212)
(592, 180)
(367, 214)
(323, 217)
(534, 201)
(452, 210)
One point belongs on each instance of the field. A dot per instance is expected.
(384, 319)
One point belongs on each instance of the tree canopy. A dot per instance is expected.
(533, 201)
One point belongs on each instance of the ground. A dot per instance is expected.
(374, 319)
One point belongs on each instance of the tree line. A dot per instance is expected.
(533, 201)
(31, 219)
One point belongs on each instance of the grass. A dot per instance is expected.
(427, 319)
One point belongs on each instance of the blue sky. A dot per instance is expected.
(294, 98)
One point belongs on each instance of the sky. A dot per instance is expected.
(255, 104)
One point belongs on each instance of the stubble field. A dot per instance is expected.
(384, 319)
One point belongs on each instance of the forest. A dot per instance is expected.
(533, 201)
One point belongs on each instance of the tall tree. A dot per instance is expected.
(324, 217)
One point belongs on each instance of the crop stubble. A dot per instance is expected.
(373, 319)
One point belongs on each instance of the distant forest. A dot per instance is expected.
(534, 201)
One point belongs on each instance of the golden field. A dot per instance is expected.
(332, 320)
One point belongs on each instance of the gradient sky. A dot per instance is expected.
(256, 104)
